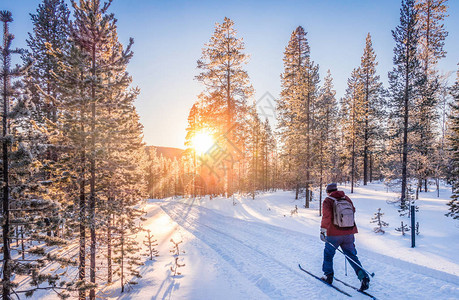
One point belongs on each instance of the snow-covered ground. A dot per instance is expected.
(251, 250)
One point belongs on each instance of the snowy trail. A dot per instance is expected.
(267, 256)
(259, 266)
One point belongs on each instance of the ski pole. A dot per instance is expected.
(345, 266)
(371, 274)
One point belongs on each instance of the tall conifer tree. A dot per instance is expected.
(295, 108)
(326, 126)
(352, 110)
(227, 88)
(432, 34)
(405, 80)
(372, 105)
(25, 200)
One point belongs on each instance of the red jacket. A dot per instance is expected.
(327, 216)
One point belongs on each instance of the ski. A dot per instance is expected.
(330, 285)
(355, 288)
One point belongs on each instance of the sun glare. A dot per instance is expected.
(202, 142)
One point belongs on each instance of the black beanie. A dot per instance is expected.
(332, 187)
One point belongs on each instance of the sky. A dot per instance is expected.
(169, 37)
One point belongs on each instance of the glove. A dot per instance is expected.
(323, 234)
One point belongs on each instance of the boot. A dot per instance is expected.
(365, 284)
(328, 278)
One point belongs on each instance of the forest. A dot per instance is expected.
(75, 169)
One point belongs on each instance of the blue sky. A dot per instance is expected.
(169, 36)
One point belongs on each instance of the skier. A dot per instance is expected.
(335, 236)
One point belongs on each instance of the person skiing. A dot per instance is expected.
(335, 235)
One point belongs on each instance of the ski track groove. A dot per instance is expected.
(248, 233)
(248, 261)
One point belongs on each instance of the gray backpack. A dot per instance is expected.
(343, 213)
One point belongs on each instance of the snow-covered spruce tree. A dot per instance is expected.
(377, 219)
(24, 198)
(352, 113)
(227, 88)
(50, 31)
(372, 91)
(454, 149)
(405, 80)
(432, 34)
(71, 142)
(125, 186)
(295, 108)
(49, 35)
(327, 131)
(150, 242)
(94, 32)
(101, 134)
(403, 228)
(125, 247)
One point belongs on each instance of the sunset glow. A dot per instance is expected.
(202, 141)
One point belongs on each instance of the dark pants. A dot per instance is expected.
(346, 242)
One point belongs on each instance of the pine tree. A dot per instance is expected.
(296, 107)
(10, 147)
(454, 149)
(352, 112)
(326, 126)
(377, 219)
(227, 88)
(431, 15)
(372, 106)
(432, 33)
(94, 31)
(405, 80)
(73, 140)
(50, 34)
(101, 136)
(51, 31)
(25, 200)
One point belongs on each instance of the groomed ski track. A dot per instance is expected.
(267, 256)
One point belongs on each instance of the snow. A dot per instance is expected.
(251, 250)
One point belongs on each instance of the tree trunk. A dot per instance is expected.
(6, 213)
(371, 166)
(365, 154)
(22, 243)
(109, 249)
(92, 183)
(82, 218)
(229, 120)
(405, 124)
(297, 191)
(122, 255)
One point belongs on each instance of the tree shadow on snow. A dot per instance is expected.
(169, 286)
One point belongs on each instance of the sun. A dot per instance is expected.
(202, 141)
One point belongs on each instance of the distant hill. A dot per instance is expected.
(167, 152)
